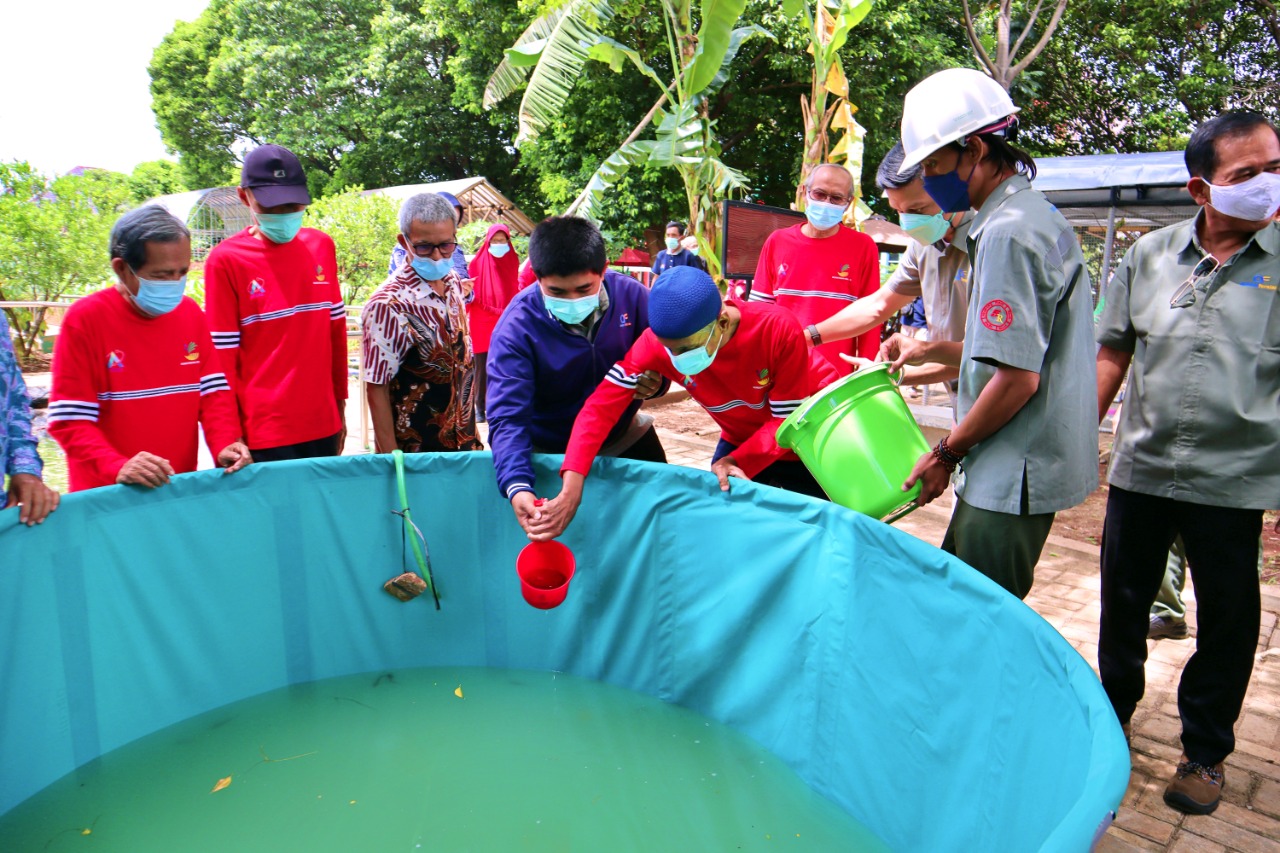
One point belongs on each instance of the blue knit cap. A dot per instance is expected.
(682, 301)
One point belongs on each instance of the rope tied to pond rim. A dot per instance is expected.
(408, 585)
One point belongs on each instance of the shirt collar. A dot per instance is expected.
(1268, 239)
(1009, 187)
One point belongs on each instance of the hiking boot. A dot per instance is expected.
(1195, 789)
(1167, 628)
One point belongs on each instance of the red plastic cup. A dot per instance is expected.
(545, 569)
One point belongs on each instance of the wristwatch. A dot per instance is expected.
(813, 334)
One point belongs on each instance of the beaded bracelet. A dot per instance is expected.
(948, 457)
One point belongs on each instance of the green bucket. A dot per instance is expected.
(860, 441)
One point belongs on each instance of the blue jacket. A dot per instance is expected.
(541, 374)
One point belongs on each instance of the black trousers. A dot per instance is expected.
(482, 385)
(1222, 554)
(647, 448)
(327, 446)
(785, 474)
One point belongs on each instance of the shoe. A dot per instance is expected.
(1195, 789)
(1167, 628)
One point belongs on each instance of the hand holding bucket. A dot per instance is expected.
(545, 569)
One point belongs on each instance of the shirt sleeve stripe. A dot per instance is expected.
(621, 379)
(756, 296)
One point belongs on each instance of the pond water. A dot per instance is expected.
(450, 759)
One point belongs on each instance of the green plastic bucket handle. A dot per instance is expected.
(420, 552)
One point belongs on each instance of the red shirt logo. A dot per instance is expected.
(997, 315)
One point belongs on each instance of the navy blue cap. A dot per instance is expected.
(682, 301)
(275, 176)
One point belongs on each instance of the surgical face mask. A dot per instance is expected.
(1254, 200)
(430, 270)
(673, 244)
(499, 249)
(696, 360)
(822, 215)
(572, 311)
(280, 227)
(158, 298)
(924, 229)
(949, 191)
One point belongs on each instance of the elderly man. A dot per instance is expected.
(1193, 309)
(398, 252)
(418, 365)
(820, 266)
(935, 266)
(277, 317)
(134, 372)
(18, 457)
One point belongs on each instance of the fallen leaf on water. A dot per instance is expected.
(86, 831)
(458, 691)
(222, 783)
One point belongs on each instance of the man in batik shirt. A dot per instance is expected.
(418, 365)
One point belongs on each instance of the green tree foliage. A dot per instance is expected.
(53, 240)
(358, 89)
(1138, 75)
(364, 231)
(155, 178)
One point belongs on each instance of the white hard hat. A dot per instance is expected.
(948, 106)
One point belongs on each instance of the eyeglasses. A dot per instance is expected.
(828, 198)
(423, 250)
(1185, 295)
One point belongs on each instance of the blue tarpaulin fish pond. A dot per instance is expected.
(931, 705)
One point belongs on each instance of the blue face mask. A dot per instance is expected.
(694, 361)
(572, 311)
(949, 191)
(499, 249)
(673, 244)
(280, 227)
(822, 215)
(430, 270)
(924, 229)
(158, 298)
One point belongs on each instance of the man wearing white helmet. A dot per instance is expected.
(1026, 440)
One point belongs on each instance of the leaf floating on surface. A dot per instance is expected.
(222, 783)
(458, 691)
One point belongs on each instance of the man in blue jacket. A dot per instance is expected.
(552, 347)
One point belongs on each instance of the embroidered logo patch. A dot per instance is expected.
(319, 273)
(256, 290)
(763, 379)
(115, 360)
(997, 315)
(624, 321)
(191, 353)
(782, 270)
(844, 271)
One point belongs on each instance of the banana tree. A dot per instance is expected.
(550, 55)
(829, 24)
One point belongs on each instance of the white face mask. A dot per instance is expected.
(1254, 200)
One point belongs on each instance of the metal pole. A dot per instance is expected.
(1104, 274)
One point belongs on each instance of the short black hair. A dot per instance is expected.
(1202, 149)
(566, 245)
(887, 177)
(135, 229)
(679, 226)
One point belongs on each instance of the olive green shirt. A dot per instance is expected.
(1030, 307)
(1201, 418)
(941, 277)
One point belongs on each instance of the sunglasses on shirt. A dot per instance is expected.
(1185, 295)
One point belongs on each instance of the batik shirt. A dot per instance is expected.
(416, 343)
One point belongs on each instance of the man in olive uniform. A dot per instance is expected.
(1193, 309)
(1026, 439)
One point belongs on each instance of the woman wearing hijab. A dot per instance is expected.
(495, 270)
